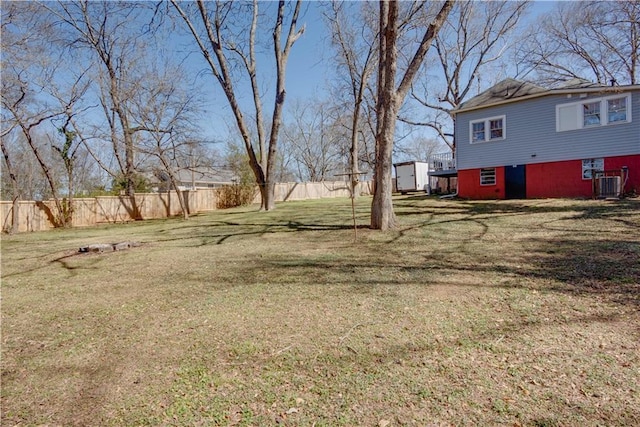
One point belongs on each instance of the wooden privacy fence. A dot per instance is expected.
(36, 216)
(317, 190)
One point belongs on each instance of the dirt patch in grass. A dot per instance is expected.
(481, 313)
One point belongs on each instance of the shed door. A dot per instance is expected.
(515, 182)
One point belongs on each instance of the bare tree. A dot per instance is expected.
(165, 108)
(418, 147)
(390, 98)
(112, 34)
(474, 36)
(311, 140)
(27, 120)
(14, 45)
(224, 40)
(31, 97)
(69, 150)
(356, 57)
(593, 40)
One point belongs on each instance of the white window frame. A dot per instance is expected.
(489, 174)
(627, 110)
(574, 117)
(473, 131)
(487, 129)
(589, 113)
(589, 165)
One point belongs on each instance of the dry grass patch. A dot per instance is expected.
(481, 313)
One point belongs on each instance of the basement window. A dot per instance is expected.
(589, 166)
(488, 176)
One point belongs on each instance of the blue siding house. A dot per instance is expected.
(520, 140)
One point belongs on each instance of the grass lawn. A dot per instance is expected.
(470, 313)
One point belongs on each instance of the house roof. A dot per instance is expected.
(579, 84)
(505, 90)
(206, 175)
(199, 176)
(511, 90)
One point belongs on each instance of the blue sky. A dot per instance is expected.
(310, 61)
(308, 71)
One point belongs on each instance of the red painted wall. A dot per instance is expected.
(633, 163)
(557, 179)
(548, 180)
(469, 185)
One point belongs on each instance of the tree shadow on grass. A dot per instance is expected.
(220, 232)
(586, 208)
(609, 269)
(574, 263)
(596, 265)
(603, 267)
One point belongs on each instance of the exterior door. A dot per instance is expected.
(515, 182)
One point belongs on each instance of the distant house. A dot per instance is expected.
(196, 178)
(519, 140)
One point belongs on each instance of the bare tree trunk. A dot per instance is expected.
(281, 55)
(389, 101)
(68, 203)
(15, 203)
(382, 215)
(59, 219)
(267, 191)
(67, 154)
(181, 199)
(174, 184)
(353, 153)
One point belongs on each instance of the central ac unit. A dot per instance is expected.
(609, 186)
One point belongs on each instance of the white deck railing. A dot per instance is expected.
(442, 162)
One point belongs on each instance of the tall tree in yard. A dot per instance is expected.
(104, 31)
(355, 47)
(391, 98)
(225, 40)
(593, 40)
(30, 102)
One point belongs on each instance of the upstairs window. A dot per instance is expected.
(617, 110)
(496, 128)
(591, 114)
(596, 112)
(478, 132)
(490, 129)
